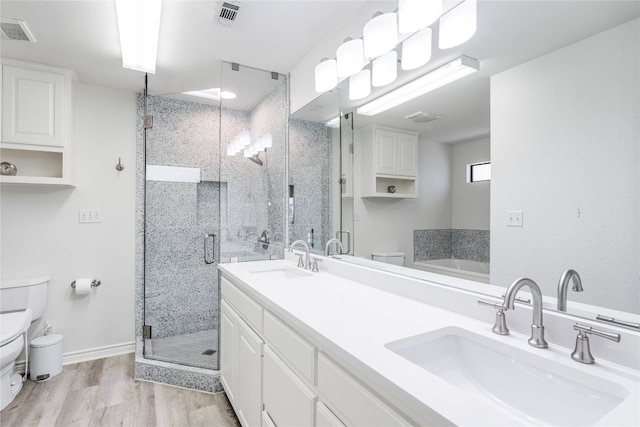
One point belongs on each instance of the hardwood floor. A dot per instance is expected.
(103, 393)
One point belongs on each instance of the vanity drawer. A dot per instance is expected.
(297, 352)
(326, 418)
(247, 308)
(287, 400)
(351, 400)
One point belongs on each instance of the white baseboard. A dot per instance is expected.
(89, 354)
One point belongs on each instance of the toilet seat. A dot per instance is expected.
(13, 324)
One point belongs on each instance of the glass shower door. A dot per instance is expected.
(182, 226)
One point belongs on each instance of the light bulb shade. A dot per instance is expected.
(416, 50)
(458, 25)
(244, 138)
(360, 85)
(267, 140)
(384, 69)
(432, 80)
(326, 75)
(380, 35)
(350, 58)
(139, 29)
(414, 15)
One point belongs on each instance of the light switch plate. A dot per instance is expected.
(89, 216)
(514, 218)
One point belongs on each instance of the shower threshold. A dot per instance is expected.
(198, 349)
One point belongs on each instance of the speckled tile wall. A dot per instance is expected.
(310, 147)
(472, 245)
(236, 199)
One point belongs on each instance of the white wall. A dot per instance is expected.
(388, 224)
(469, 201)
(565, 151)
(41, 234)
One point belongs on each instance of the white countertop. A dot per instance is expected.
(353, 322)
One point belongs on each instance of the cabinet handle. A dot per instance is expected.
(213, 248)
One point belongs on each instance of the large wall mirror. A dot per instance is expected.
(554, 109)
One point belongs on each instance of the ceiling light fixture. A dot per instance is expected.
(139, 28)
(326, 75)
(434, 79)
(360, 85)
(384, 70)
(380, 35)
(416, 50)
(458, 25)
(414, 15)
(350, 57)
(214, 93)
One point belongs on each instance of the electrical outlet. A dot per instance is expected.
(50, 327)
(514, 218)
(89, 215)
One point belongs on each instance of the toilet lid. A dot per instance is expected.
(13, 324)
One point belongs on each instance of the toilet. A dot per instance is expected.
(395, 258)
(21, 302)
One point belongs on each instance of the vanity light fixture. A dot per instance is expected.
(213, 93)
(384, 70)
(449, 72)
(416, 50)
(139, 28)
(350, 57)
(458, 25)
(414, 15)
(326, 74)
(360, 85)
(380, 35)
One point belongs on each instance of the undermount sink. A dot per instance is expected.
(534, 390)
(281, 273)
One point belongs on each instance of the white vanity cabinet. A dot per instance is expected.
(240, 358)
(38, 127)
(389, 162)
(274, 375)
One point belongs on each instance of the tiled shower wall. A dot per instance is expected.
(310, 151)
(472, 245)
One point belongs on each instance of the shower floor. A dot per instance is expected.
(199, 349)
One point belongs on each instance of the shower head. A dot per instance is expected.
(255, 159)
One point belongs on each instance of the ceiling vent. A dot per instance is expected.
(227, 12)
(15, 29)
(420, 117)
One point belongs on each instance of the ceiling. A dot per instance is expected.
(277, 35)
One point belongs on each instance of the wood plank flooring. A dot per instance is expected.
(103, 393)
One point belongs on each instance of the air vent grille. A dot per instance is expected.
(421, 117)
(14, 29)
(228, 13)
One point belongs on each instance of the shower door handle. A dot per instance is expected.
(339, 234)
(211, 237)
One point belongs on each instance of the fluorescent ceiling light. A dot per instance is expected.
(458, 25)
(139, 27)
(439, 77)
(213, 93)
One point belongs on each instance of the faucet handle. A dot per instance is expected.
(300, 261)
(315, 268)
(582, 352)
(500, 325)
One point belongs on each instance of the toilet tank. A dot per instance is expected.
(18, 294)
(396, 258)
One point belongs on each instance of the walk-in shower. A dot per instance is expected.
(203, 204)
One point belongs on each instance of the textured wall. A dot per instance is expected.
(471, 245)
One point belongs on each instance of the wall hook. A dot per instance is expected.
(119, 166)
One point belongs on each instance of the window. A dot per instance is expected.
(479, 172)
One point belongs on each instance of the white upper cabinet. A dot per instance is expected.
(38, 128)
(389, 162)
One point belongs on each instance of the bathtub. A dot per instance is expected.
(464, 269)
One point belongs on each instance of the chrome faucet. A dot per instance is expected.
(564, 283)
(537, 330)
(327, 247)
(307, 260)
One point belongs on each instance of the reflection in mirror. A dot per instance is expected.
(563, 147)
(253, 129)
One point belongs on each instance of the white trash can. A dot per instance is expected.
(45, 355)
